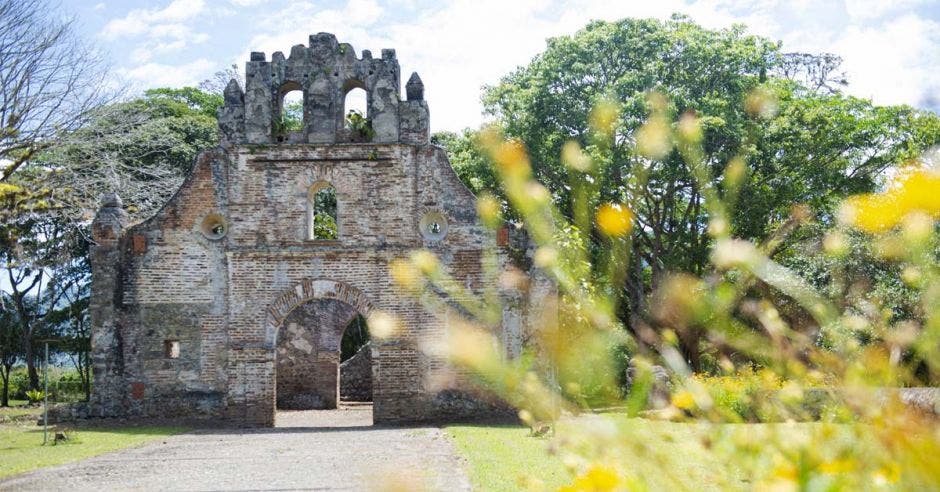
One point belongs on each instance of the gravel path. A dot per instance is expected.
(308, 450)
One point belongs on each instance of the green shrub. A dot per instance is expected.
(19, 383)
(35, 396)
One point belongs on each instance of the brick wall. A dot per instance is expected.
(238, 304)
(355, 376)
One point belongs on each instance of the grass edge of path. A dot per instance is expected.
(21, 449)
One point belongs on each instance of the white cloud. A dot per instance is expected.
(892, 63)
(139, 21)
(99, 7)
(247, 3)
(162, 31)
(164, 75)
(867, 10)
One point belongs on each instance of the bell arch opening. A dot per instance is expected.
(290, 118)
(355, 119)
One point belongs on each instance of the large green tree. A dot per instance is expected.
(800, 139)
(141, 149)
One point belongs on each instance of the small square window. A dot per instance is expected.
(171, 349)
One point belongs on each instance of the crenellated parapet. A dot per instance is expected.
(324, 71)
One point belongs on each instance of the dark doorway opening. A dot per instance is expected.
(323, 357)
(355, 370)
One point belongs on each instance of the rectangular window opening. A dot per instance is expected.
(171, 349)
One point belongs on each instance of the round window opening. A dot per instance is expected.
(433, 226)
(214, 227)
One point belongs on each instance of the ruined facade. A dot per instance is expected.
(190, 308)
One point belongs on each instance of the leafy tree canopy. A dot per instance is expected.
(781, 115)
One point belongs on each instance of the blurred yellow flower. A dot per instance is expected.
(917, 226)
(835, 244)
(690, 129)
(890, 473)
(683, 399)
(545, 257)
(596, 479)
(489, 210)
(920, 190)
(837, 466)
(382, 325)
(538, 193)
(718, 226)
(871, 212)
(425, 261)
(614, 219)
(653, 139)
(761, 103)
(915, 191)
(405, 274)
(472, 347)
(735, 171)
(604, 116)
(784, 471)
(512, 160)
(574, 157)
(729, 253)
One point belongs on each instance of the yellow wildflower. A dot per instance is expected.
(574, 157)
(916, 191)
(837, 466)
(597, 478)
(614, 219)
(604, 116)
(405, 274)
(489, 210)
(683, 399)
(512, 160)
(382, 325)
(425, 261)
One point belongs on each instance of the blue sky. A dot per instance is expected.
(891, 48)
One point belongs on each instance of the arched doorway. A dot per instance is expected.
(314, 327)
(309, 353)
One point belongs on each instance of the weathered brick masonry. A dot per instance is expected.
(187, 307)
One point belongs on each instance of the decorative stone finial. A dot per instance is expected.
(111, 200)
(233, 94)
(415, 88)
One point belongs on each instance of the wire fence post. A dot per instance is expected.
(45, 398)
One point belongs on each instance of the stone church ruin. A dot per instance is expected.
(235, 297)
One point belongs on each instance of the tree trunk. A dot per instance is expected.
(5, 394)
(86, 376)
(31, 365)
(689, 340)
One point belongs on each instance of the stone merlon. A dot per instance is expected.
(324, 72)
(415, 88)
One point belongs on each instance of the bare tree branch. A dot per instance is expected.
(49, 80)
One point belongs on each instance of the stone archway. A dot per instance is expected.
(304, 327)
(308, 290)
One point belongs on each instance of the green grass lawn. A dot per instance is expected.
(21, 448)
(18, 411)
(499, 456)
(671, 456)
